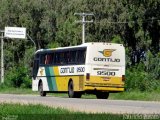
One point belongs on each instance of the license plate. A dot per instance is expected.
(106, 78)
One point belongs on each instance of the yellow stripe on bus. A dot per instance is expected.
(62, 81)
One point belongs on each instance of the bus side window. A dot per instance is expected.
(51, 57)
(57, 58)
(63, 58)
(67, 57)
(42, 59)
(81, 56)
(46, 59)
(73, 57)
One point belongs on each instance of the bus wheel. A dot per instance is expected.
(71, 92)
(102, 95)
(40, 88)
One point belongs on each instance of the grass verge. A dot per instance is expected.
(131, 95)
(39, 112)
(136, 95)
(10, 90)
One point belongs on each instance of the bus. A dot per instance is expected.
(92, 68)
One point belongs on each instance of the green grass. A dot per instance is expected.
(132, 95)
(136, 95)
(39, 112)
(10, 90)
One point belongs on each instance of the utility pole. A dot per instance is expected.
(2, 57)
(83, 21)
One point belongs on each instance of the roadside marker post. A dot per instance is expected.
(11, 32)
(2, 56)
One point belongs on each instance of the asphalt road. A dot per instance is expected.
(87, 105)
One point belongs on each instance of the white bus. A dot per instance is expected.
(94, 68)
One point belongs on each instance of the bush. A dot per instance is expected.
(18, 77)
(140, 80)
(145, 75)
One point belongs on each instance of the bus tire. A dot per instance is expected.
(71, 92)
(102, 95)
(40, 88)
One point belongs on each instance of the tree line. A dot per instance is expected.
(51, 23)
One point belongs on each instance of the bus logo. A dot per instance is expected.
(41, 72)
(107, 52)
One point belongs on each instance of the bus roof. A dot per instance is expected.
(82, 45)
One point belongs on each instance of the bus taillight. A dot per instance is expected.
(87, 76)
(123, 78)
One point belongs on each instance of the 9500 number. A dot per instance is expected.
(107, 73)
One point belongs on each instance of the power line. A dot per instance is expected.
(133, 21)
